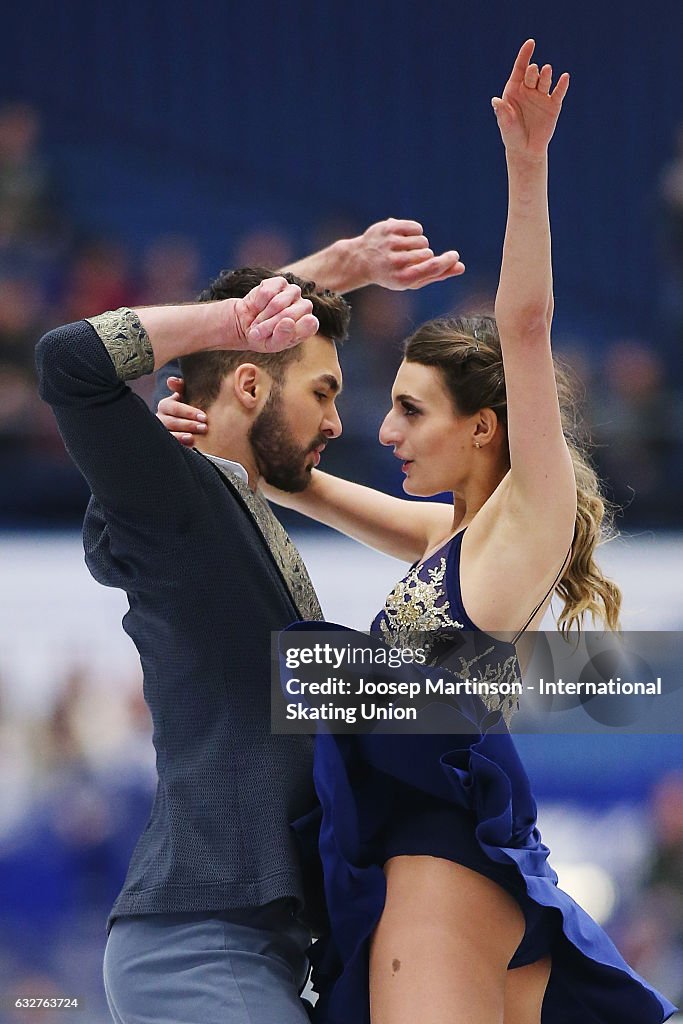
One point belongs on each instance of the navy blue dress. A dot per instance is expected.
(466, 798)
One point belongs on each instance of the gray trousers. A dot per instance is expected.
(229, 967)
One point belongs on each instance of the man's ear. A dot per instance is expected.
(250, 385)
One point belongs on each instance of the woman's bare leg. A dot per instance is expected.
(524, 991)
(440, 952)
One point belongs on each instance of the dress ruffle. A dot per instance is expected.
(589, 983)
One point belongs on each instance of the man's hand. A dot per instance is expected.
(396, 254)
(271, 317)
(528, 111)
(392, 253)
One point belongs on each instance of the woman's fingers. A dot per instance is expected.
(181, 425)
(182, 420)
(521, 62)
(187, 440)
(531, 76)
(545, 78)
(171, 406)
(560, 90)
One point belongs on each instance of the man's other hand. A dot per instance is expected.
(396, 254)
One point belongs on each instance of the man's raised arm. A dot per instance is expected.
(114, 439)
(392, 253)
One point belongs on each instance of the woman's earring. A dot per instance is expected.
(477, 445)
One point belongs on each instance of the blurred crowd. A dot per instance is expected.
(54, 269)
(77, 791)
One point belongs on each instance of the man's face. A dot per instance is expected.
(299, 417)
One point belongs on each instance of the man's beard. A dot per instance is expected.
(279, 459)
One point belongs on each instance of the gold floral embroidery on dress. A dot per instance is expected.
(126, 341)
(418, 606)
(488, 668)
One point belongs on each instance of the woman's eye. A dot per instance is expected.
(321, 395)
(409, 410)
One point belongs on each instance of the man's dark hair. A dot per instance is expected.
(203, 372)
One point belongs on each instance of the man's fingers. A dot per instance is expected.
(293, 311)
(407, 242)
(407, 259)
(279, 302)
(436, 269)
(404, 227)
(285, 333)
(307, 327)
(262, 332)
(259, 297)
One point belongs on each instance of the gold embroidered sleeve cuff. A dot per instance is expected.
(126, 341)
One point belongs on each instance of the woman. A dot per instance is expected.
(446, 892)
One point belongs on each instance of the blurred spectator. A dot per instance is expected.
(65, 846)
(653, 930)
(632, 410)
(335, 226)
(170, 271)
(26, 200)
(637, 427)
(21, 317)
(670, 206)
(100, 278)
(267, 246)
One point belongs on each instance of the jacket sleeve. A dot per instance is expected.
(134, 467)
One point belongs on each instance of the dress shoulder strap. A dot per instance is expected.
(544, 598)
(453, 582)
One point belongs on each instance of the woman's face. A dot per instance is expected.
(432, 441)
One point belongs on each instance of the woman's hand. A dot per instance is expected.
(184, 421)
(528, 111)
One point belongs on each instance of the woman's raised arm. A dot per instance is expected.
(541, 469)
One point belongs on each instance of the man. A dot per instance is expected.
(207, 926)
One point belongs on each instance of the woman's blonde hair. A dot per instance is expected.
(467, 352)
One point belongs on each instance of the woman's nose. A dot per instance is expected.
(387, 432)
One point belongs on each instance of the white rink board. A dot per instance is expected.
(54, 616)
